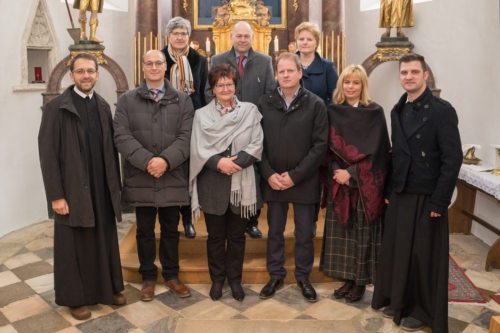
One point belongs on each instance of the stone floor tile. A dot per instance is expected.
(203, 289)
(41, 283)
(33, 270)
(305, 317)
(46, 322)
(8, 278)
(3, 320)
(14, 292)
(21, 260)
(463, 311)
(71, 329)
(7, 329)
(455, 325)
(40, 243)
(47, 253)
(263, 326)
(292, 296)
(483, 320)
(8, 250)
(177, 303)
(109, 323)
(50, 261)
(327, 309)
(165, 325)
(484, 280)
(131, 294)
(3, 268)
(208, 309)
(271, 309)
(474, 329)
(50, 297)
(239, 316)
(27, 234)
(96, 310)
(251, 299)
(24, 308)
(141, 314)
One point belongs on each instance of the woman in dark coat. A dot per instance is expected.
(358, 163)
(226, 142)
(318, 74)
(187, 72)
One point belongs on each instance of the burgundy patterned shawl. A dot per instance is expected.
(358, 136)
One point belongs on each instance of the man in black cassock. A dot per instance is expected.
(82, 182)
(412, 277)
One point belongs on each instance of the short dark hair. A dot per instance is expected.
(219, 71)
(87, 56)
(413, 57)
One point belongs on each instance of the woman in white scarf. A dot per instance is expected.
(226, 142)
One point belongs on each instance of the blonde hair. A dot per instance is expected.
(311, 27)
(359, 72)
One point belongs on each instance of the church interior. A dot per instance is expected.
(451, 34)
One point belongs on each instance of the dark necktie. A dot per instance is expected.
(241, 68)
(155, 93)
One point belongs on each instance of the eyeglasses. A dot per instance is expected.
(150, 64)
(179, 34)
(226, 86)
(81, 71)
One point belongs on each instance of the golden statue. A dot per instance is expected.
(94, 6)
(242, 9)
(396, 14)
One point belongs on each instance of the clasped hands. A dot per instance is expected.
(227, 166)
(341, 176)
(157, 166)
(280, 182)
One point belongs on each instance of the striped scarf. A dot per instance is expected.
(181, 76)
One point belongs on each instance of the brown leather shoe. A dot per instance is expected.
(119, 299)
(80, 312)
(178, 288)
(148, 290)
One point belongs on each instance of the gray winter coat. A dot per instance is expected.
(145, 129)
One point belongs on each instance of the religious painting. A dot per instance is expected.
(204, 12)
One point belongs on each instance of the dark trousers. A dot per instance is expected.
(304, 246)
(225, 246)
(169, 241)
(254, 220)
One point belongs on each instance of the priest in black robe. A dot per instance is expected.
(412, 277)
(82, 182)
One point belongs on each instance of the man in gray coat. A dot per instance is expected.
(255, 78)
(152, 132)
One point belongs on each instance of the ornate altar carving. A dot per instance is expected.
(252, 11)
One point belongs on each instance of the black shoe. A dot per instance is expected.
(270, 288)
(387, 312)
(411, 324)
(189, 231)
(253, 231)
(216, 290)
(237, 291)
(307, 290)
(344, 290)
(355, 294)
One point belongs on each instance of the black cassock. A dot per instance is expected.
(87, 267)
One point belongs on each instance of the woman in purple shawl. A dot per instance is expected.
(358, 164)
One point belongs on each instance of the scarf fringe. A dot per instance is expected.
(247, 210)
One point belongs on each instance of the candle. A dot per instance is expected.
(207, 45)
(276, 44)
(38, 74)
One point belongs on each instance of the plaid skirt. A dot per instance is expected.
(351, 251)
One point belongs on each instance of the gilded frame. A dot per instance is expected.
(200, 25)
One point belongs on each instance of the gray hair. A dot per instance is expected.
(178, 23)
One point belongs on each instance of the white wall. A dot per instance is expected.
(22, 198)
(461, 42)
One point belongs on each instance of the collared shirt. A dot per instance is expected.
(160, 93)
(284, 98)
(82, 94)
(238, 55)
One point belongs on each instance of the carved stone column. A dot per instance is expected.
(332, 16)
(147, 17)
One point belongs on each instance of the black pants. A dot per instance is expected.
(304, 246)
(169, 241)
(225, 246)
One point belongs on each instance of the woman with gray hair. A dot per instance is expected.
(187, 72)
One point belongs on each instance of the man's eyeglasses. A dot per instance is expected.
(224, 86)
(150, 64)
(81, 71)
(179, 34)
